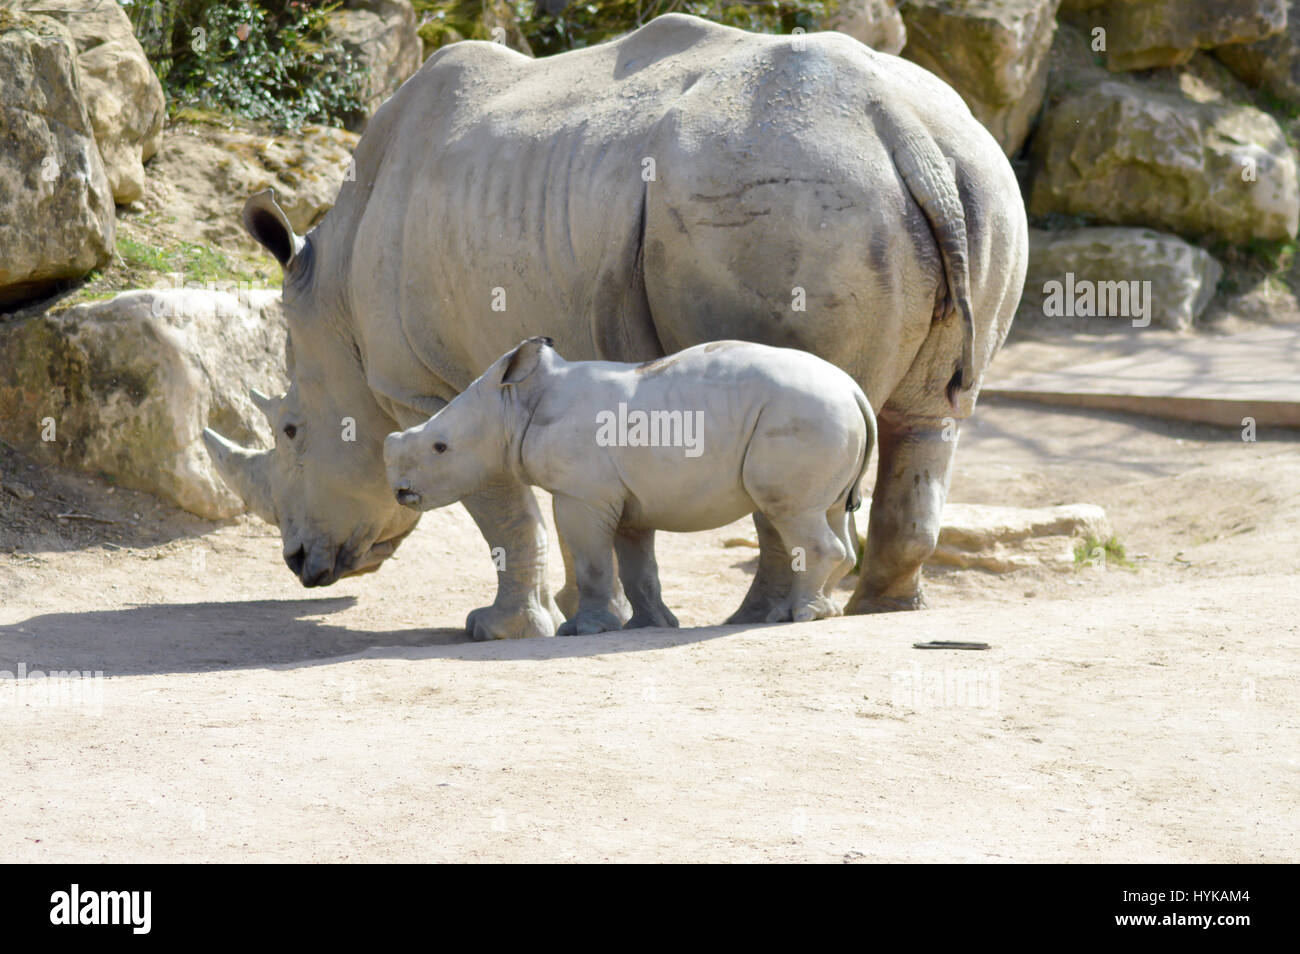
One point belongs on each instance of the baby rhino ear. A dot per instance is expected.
(523, 360)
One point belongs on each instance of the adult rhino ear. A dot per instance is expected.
(267, 223)
(522, 362)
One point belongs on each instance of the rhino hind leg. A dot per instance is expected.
(508, 518)
(639, 572)
(906, 509)
(773, 579)
(817, 554)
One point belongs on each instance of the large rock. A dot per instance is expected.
(1000, 539)
(1122, 153)
(127, 386)
(122, 93)
(1141, 34)
(877, 23)
(1273, 63)
(203, 173)
(381, 37)
(993, 52)
(56, 209)
(1098, 272)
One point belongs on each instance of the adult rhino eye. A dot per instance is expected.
(439, 447)
(290, 431)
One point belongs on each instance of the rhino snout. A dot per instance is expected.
(405, 495)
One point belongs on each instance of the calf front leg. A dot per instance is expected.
(906, 509)
(507, 516)
(639, 571)
(589, 533)
(567, 598)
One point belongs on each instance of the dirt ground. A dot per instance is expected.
(1122, 714)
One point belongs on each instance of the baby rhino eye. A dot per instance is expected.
(290, 431)
(439, 447)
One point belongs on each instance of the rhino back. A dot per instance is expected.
(498, 197)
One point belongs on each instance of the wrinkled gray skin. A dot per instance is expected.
(800, 195)
(742, 428)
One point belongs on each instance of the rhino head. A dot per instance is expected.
(473, 439)
(323, 483)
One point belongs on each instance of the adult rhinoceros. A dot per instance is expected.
(686, 183)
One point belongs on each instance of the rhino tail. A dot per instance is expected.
(932, 182)
(854, 501)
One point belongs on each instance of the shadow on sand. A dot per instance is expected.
(155, 639)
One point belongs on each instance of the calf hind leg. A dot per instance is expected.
(817, 553)
(772, 582)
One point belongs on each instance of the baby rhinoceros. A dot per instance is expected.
(689, 442)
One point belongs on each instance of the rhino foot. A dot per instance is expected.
(661, 616)
(567, 601)
(754, 611)
(821, 607)
(589, 623)
(885, 604)
(495, 622)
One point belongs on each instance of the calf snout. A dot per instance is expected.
(406, 496)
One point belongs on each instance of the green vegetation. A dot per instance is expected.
(147, 257)
(272, 61)
(1109, 552)
(584, 24)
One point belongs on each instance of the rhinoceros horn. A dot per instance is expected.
(248, 472)
(264, 403)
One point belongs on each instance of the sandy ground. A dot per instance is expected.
(1144, 714)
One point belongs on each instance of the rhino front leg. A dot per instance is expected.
(639, 571)
(906, 509)
(589, 533)
(567, 598)
(509, 520)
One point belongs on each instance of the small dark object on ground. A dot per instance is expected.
(945, 644)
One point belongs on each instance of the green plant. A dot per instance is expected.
(272, 61)
(584, 24)
(1109, 552)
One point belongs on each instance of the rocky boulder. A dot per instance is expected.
(877, 23)
(381, 36)
(56, 209)
(203, 173)
(1141, 34)
(122, 94)
(1001, 539)
(125, 387)
(1099, 272)
(993, 52)
(1273, 63)
(1119, 152)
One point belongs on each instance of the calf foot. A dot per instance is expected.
(820, 607)
(530, 620)
(589, 623)
(567, 601)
